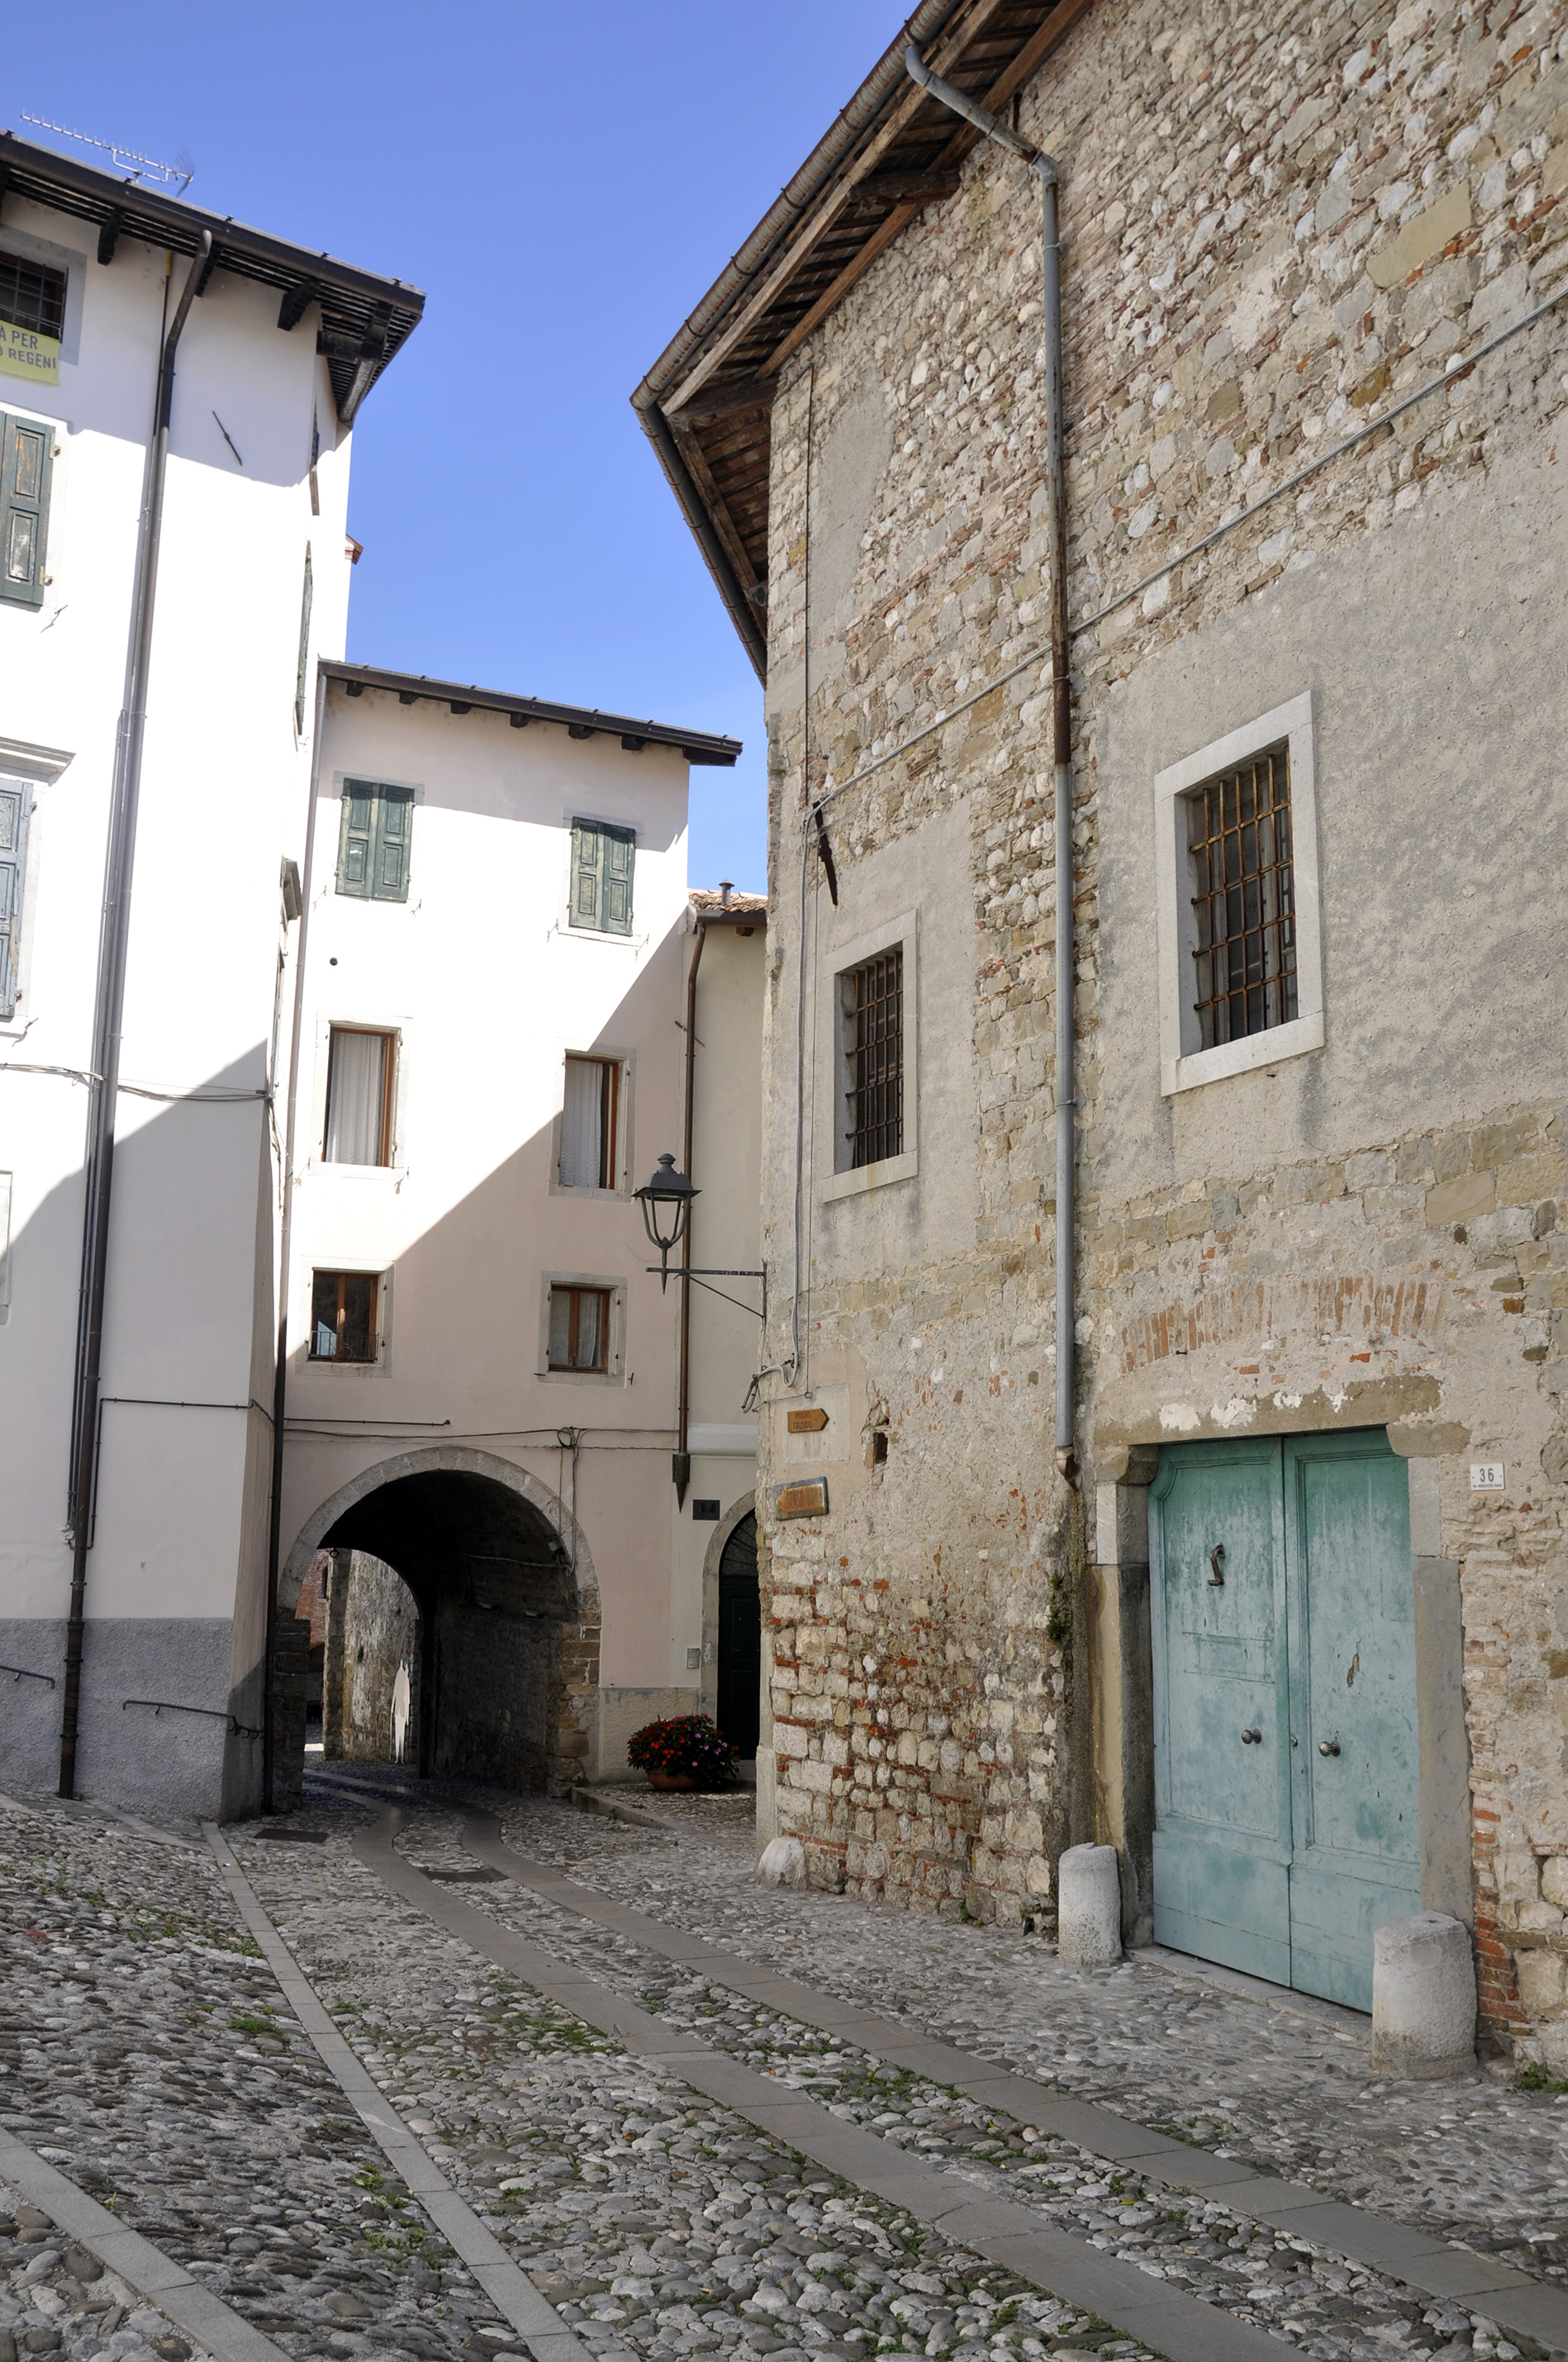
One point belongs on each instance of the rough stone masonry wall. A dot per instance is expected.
(1280, 223)
(373, 1631)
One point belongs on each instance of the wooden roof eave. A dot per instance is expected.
(708, 398)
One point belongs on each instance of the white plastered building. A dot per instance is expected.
(277, 349)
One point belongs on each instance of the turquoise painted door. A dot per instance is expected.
(1222, 1795)
(1285, 1708)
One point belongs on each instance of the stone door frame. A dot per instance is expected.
(1120, 1734)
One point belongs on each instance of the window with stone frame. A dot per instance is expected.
(1244, 898)
(1238, 937)
(344, 1306)
(872, 1000)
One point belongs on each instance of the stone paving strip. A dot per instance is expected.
(147, 2058)
(510, 2289)
(1286, 2090)
(1180, 2327)
(1420, 2259)
(659, 2225)
(1378, 2308)
(75, 2282)
(1426, 2263)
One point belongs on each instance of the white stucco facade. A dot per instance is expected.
(483, 987)
(175, 1596)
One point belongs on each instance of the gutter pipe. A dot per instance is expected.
(1062, 727)
(108, 1015)
(285, 1245)
(681, 1471)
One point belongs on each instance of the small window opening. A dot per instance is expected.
(358, 1098)
(343, 1316)
(1243, 900)
(873, 1000)
(579, 1328)
(32, 295)
(589, 1121)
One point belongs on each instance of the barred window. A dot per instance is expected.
(32, 295)
(873, 1001)
(1244, 898)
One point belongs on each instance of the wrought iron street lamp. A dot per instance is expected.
(666, 1201)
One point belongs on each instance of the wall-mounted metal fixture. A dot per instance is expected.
(666, 1201)
(1217, 1576)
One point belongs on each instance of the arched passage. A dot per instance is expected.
(507, 1601)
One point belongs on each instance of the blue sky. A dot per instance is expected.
(564, 187)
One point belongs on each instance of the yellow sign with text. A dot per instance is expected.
(25, 353)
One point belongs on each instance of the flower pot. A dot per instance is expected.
(671, 1780)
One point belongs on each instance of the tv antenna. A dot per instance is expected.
(128, 160)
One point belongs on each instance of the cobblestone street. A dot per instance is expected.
(152, 2058)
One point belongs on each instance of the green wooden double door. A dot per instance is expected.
(1285, 1757)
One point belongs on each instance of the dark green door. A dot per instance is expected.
(1284, 1707)
(739, 1700)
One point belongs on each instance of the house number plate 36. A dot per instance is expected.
(1488, 1476)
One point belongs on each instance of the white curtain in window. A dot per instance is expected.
(560, 1327)
(583, 1125)
(355, 1085)
(590, 1309)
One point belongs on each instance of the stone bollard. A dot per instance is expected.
(1423, 1997)
(1088, 1907)
(782, 1862)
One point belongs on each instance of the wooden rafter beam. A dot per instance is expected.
(746, 572)
(723, 401)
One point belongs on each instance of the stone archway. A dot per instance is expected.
(508, 1601)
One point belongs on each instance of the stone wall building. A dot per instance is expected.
(1315, 374)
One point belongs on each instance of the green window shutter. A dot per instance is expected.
(394, 827)
(620, 854)
(27, 448)
(13, 868)
(602, 864)
(586, 874)
(356, 840)
(304, 643)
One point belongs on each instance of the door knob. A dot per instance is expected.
(1254, 1738)
(1327, 1747)
(1216, 1575)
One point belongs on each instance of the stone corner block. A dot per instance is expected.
(1088, 1907)
(782, 1862)
(1423, 1997)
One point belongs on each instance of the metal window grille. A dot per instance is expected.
(1244, 898)
(32, 295)
(874, 1023)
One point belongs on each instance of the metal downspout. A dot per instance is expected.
(108, 1014)
(285, 1242)
(681, 1470)
(1061, 731)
